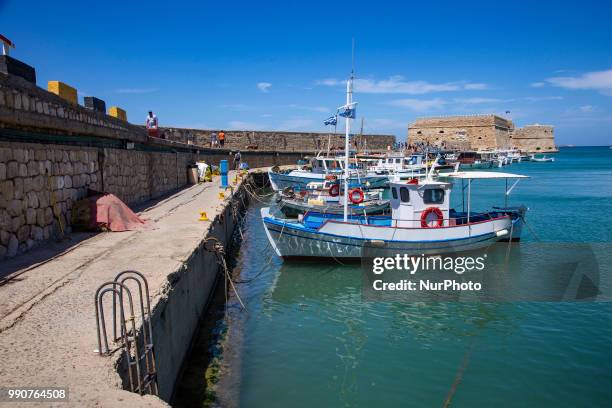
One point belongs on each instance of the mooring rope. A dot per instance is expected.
(459, 375)
(530, 229)
(219, 251)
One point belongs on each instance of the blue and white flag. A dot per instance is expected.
(332, 120)
(348, 111)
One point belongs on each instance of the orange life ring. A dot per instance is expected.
(330, 177)
(334, 190)
(432, 210)
(357, 200)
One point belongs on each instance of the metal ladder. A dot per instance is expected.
(142, 379)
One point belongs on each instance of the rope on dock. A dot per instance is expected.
(219, 250)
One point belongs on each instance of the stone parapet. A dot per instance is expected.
(276, 140)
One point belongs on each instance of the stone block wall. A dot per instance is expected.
(26, 106)
(39, 183)
(534, 138)
(275, 140)
(481, 132)
(37, 189)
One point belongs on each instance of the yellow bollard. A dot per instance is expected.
(203, 216)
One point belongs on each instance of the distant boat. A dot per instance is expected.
(322, 167)
(327, 197)
(474, 160)
(541, 158)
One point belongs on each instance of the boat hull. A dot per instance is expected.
(294, 241)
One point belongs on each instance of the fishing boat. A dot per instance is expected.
(323, 166)
(327, 197)
(421, 220)
(397, 162)
(474, 160)
(541, 158)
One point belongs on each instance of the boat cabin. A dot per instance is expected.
(469, 157)
(327, 164)
(420, 204)
(399, 162)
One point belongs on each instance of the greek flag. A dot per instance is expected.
(332, 120)
(348, 111)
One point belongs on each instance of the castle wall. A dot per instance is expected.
(481, 132)
(535, 138)
(471, 132)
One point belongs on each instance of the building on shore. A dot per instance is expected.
(481, 132)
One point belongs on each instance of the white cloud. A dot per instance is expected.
(266, 115)
(329, 82)
(397, 84)
(474, 87)
(600, 81)
(537, 84)
(419, 105)
(542, 98)
(480, 100)
(136, 90)
(236, 106)
(587, 108)
(264, 86)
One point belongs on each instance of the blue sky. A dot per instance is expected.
(280, 65)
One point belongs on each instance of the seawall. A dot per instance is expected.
(47, 320)
(278, 141)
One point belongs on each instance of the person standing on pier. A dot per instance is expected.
(222, 138)
(214, 142)
(151, 124)
(237, 158)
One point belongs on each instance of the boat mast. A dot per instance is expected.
(347, 125)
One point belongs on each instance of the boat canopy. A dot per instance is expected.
(483, 175)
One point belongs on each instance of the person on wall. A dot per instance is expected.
(151, 123)
(237, 159)
(222, 138)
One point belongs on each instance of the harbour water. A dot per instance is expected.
(309, 339)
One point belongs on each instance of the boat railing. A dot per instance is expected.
(473, 217)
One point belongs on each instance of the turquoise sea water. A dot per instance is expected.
(309, 339)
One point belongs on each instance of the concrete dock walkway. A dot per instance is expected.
(47, 321)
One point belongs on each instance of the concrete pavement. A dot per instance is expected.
(47, 322)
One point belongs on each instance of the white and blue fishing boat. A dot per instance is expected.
(323, 167)
(328, 197)
(421, 220)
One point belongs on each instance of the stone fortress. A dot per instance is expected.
(481, 132)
